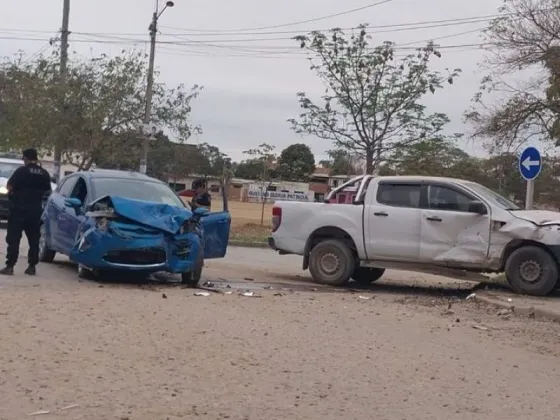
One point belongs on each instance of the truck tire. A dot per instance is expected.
(331, 262)
(367, 275)
(531, 270)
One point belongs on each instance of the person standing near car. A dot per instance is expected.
(27, 187)
(201, 196)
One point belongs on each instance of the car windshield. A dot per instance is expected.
(492, 197)
(136, 190)
(7, 169)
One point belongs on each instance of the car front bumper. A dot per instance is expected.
(101, 250)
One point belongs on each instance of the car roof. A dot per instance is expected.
(418, 178)
(8, 160)
(115, 174)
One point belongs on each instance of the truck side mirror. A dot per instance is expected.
(477, 207)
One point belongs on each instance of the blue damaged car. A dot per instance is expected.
(106, 220)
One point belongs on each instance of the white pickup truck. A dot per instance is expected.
(442, 226)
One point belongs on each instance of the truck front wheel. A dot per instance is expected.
(331, 262)
(367, 275)
(531, 270)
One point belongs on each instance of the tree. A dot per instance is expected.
(102, 100)
(248, 169)
(344, 162)
(524, 38)
(296, 163)
(373, 100)
(264, 153)
(431, 157)
(211, 162)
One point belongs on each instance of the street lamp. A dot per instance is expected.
(150, 85)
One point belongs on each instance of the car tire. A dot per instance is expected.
(46, 255)
(532, 271)
(331, 262)
(191, 278)
(367, 275)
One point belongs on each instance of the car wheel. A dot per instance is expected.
(45, 254)
(191, 278)
(367, 275)
(331, 262)
(531, 270)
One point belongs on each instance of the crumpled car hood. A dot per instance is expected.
(539, 217)
(159, 216)
(4, 182)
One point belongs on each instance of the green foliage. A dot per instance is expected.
(372, 103)
(249, 169)
(343, 162)
(100, 106)
(524, 38)
(296, 163)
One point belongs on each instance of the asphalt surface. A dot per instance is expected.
(412, 347)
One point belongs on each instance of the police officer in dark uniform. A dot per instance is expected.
(27, 187)
(201, 197)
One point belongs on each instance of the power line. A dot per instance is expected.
(284, 25)
(419, 24)
(434, 23)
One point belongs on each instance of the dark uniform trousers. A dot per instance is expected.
(28, 221)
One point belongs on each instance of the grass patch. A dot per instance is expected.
(249, 232)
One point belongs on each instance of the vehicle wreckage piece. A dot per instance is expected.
(121, 234)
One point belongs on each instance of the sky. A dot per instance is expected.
(251, 77)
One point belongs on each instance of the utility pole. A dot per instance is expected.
(150, 85)
(63, 66)
(149, 89)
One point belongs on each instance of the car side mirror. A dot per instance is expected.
(75, 203)
(477, 207)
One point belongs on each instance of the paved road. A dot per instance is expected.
(129, 351)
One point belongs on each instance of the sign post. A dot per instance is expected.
(530, 165)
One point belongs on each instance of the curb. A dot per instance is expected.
(248, 244)
(537, 313)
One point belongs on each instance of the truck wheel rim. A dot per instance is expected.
(329, 263)
(530, 271)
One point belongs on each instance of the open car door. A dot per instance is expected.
(216, 227)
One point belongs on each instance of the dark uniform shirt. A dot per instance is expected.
(28, 186)
(201, 200)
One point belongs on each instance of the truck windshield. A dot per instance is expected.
(492, 197)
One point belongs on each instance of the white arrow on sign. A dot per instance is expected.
(527, 163)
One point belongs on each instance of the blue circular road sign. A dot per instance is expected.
(530, 163)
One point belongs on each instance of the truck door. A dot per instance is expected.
(392, 221)
(449, 233)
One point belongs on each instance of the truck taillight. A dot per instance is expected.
(276, 218)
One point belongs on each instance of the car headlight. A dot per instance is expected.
(102, 224)
(3, 190)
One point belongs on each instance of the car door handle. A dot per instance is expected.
(433, 219)
(380, 213)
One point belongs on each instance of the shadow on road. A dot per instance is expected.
(293, 283)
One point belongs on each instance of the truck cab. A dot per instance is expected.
(443, 226)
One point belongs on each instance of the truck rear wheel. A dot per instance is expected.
(331, 262)
(531, 270)
(367, 275)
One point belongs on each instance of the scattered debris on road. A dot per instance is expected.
(204, 294)
(480, 327)
(471, 296)
(40, 413)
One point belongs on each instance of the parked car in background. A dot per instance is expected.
(116, 220)
(7, 168)
(443, 226)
